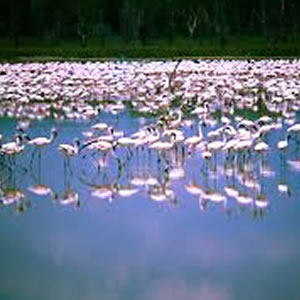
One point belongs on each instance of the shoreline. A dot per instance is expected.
(185, 49)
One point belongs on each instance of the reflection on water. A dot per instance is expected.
(117, 220)
(112, 167)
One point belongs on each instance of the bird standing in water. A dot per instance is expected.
(40, 142)
(69, 150)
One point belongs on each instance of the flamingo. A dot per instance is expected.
(230, 144)
(246, 139)
(104, 191)
(126, 190)
(104, 146)
(100, 126)
(244, 199)
(215, 145)
(294, 164)
(283, 144)
(283, 188)
(12, 148)
(68, 150)
(126, 141)
(231, 191)
(161, 193)
(42, 141)
(205, 152)
(11, 195)
(214, 196)
(175, 134)
(294, 128)
(176, 173)
(41, 190)
(261, 201)
(215, 133)
(177, 122)
(261, 147)
(195, 139)
(163, 145)
(158, 196)
(193, 188)
(151, 181)
(99, 144)
(201, 110)
(69, 197)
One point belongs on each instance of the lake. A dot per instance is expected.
(143, 222)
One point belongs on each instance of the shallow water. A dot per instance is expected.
(133, 247)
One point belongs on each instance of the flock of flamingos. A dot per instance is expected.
(192, 112)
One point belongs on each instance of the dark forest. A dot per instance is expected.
(142, 21)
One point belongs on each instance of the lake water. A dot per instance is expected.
(161, 242)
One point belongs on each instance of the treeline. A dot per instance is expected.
(141, 21)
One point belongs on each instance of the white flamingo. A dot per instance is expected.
(42, 141)
(69, 197)
(261, 147)
(294, 128)
(192, 141)
(283, 144)
(11, 195)
(68, 151)
(12, 148)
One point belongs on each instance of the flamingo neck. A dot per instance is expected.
(200, 133)
(18, 141)
(52, 137)
(76, 146)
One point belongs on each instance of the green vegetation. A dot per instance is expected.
(69, 50)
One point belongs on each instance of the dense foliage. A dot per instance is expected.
(142, 21)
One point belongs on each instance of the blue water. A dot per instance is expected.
(136, 248)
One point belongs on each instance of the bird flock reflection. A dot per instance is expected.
(225, 134)
(231, 167)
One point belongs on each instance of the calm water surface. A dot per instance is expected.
(118, 247)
